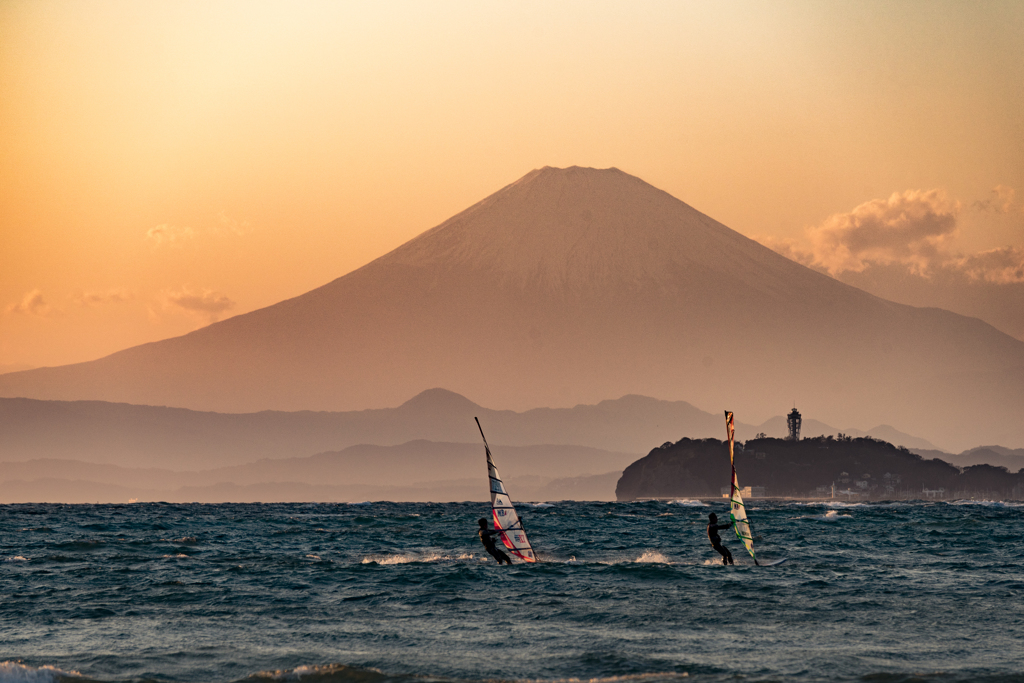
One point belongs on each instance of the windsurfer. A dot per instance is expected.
(485, 535)
(716, 541)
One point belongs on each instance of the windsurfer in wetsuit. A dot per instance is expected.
(716, 541)
(485, 538)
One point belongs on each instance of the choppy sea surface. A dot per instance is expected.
(376, 592)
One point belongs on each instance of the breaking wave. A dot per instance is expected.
(407, 558)
(652, 557)
(989, 503)
(16, 672)
(340, 673)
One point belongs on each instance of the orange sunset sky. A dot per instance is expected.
(167, 164)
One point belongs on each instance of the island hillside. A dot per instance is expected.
(858, 469)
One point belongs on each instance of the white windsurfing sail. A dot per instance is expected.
(513, 535)
(737, 510)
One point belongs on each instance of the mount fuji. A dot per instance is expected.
(572, 286)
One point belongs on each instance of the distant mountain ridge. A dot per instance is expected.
(998, 456)
(171, 454)
(569, 286)
(180, 439)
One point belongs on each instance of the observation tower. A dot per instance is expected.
(793, 421)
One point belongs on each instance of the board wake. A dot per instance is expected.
(773, 563)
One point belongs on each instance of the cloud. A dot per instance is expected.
(208, 304)
(169, 234)
(111, 296)
(912, 228)
(1001, 266)
(233, 225)
(166, 233)
(1001, 200)
(31, 304)
(903, 249)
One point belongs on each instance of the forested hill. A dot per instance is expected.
(867, 467)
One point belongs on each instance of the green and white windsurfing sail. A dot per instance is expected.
(737, 510)
(513, 535)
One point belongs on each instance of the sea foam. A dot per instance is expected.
(16, 672)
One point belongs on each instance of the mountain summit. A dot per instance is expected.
(574, 231)
(575, 285)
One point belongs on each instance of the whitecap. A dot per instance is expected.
(988, 503)
(827, 504)
(652, 557)
(177, 556)
(537, 505)
(324, 671)
(614, 679)
(406, 558)
(832, 516)
(687, 502)
(16, 672)
(16, 558)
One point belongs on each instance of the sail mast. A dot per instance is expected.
(737, 510)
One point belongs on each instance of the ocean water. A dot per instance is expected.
(379, 592)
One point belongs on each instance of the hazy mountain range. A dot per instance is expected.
(998, 456)
(179, 439)
(570, 286)
(426, 449)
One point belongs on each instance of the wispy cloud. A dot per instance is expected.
(178, 235)
(31, 304)
(207, 304)
(1000, 266)
(165, 233)
(231, 224)
(1000, 200)
(111, 296)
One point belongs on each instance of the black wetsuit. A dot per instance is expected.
(716, 541)
(485, 538)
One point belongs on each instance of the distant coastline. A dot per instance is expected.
(829, 469)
